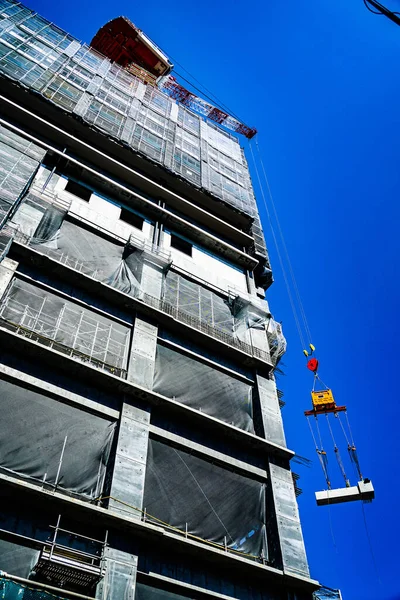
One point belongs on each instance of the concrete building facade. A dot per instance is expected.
(142, 450)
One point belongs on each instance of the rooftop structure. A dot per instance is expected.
(142, 450)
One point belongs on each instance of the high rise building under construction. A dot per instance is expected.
(142, 451)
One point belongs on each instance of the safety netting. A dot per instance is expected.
(66, 326)
(19, 161)
(276, 340)
(17, 559)
(45, 227)
(205, 500)
(63, 445)
(198, 301)
(12, 590)
(81, 81)
(203, 387)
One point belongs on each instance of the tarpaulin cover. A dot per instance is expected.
(16, 559)
(64, 321)
(115, 264)
(77, 79)
(203, 387)
(214, 503)
(19, 160)
(148, 592)
(33, 429)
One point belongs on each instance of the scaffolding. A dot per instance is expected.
(61, 324)
(81, 81)
(42, 224)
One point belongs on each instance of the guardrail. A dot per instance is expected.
(157, 303)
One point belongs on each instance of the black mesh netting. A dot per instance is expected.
(113, 263)
(16, 559)
(213, 503)
(34, 430)
(203, 387)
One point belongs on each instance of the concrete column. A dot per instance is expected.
(127, 485)
(143, 353)
(7, 272)
(287, 514)
(119, 580)
(258, 337)
(270, 410)
(152, 279)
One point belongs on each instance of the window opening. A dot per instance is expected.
(131, 218)
(78, 190)
(182, 245)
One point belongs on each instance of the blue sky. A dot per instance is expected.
(318, 80)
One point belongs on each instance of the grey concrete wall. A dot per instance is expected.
(7, 271)
(270, 410)
(127, 485)
(143, 352)
(119, 581)
(287, 513)
(152, 279)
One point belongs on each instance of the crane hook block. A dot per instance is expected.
(312, 364)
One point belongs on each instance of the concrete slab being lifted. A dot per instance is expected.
(362, 491)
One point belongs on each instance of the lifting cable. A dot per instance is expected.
(322, 456)
(289, 262)
(285, 278)
(337, 453)
(350, 446)
(299, 313)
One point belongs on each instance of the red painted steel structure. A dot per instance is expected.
(122, 42)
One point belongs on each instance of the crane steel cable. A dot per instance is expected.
(337, 453)
(289, 292)
(211, 97)
(321, 456)
(284, 246)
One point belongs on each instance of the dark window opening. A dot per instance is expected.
(78, 190)
(182, 245)
(131, 218)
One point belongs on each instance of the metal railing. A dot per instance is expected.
(157, 303)
(59, 347)
(196, 323)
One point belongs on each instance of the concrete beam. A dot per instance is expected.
(100, 378)
(199, 234)
(114, 296)
(364, 490)
(193, 209)
(60, 393)
(207, 453)
(129, 525)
